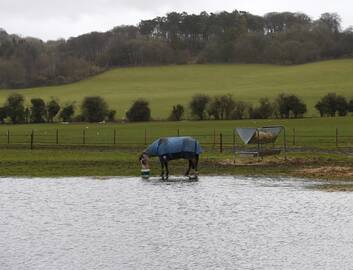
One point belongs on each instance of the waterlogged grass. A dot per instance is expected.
(167, 85)
(333, 187)
(65, 162)
(102, 161)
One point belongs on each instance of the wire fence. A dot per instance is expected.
(216, 140)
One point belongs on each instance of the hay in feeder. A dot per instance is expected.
(263, 137)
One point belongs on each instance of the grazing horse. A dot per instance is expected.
(171, 148)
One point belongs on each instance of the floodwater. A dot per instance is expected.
(214, 223)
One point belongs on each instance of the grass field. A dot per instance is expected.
(315, 153)
(112, 149)
(168, 85)
(49, 162)
(309, 132)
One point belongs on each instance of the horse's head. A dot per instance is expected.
(144, 160)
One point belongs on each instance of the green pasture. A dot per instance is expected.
(315, 147)
(100, 162)
(307, 132)
(168, 85)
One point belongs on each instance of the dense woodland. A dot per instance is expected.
(177, 38)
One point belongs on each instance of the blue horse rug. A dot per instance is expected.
(174, 147)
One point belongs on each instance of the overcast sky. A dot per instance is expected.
(53, 19)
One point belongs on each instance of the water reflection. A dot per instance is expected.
(213, 223)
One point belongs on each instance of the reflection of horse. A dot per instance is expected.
(173, 148)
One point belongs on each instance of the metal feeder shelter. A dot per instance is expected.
(260, 142)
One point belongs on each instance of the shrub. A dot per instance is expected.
(67, 113)
(342, 105)
(38, 110)
(288, 105)
(15, 108)
(299, 108)
(265, 109)
(3, 114)
(111, 115)
(94, 109)
(322, 108)
(331, 103)
(214, 108)
(227, 106)
(139, 111)
(350, 105)
(240, 109)
(198, 105)
(221, 107)
(53, 108)
(176, 113)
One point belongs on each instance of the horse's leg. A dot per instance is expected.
(192, 166)
(188, 170)
(193, 163)
(196, 162)
(167, 169)
(162, 167)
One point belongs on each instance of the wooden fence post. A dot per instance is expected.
(57, 136)
(285, 143)
(294, 136)
(214, 138)
(178, 132)
(8, 137)
(114, 139)
(220, 142)
(336, 137)
(234, 147)
(32, 139)
(84, 137)
(233, 141)
(258, 144)
(145, 136)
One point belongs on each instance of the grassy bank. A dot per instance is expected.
(168, 85)
(103, 161)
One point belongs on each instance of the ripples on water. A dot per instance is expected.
(215, 223)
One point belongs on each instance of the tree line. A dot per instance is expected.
(201, 107)
(224, 107)
(333, 104)
(176, 38)
(93, 109)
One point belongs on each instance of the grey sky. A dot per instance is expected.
(52, 19)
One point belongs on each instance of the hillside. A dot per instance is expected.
(176, 38)
(168, 85)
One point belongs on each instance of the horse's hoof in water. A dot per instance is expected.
(193, 177)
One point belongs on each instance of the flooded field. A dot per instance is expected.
(214, 223)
